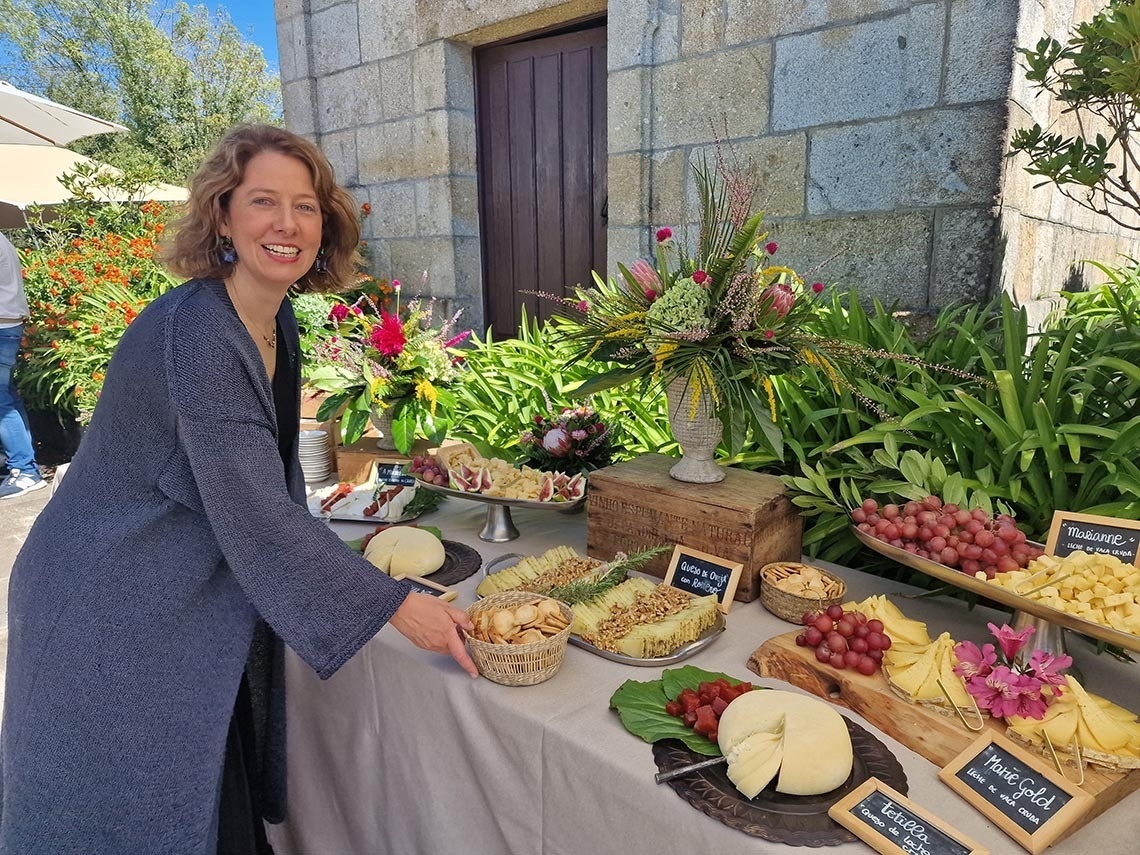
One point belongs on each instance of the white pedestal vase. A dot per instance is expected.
(698, 434)
(382, 420)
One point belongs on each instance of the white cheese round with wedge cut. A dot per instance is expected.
(805, 741)
(405, 551)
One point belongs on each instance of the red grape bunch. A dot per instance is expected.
(970, 540)
(428, 469)
(845, 639)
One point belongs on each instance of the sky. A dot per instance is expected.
(256, 22)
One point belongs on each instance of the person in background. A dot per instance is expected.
(144, 710)
(15, 435)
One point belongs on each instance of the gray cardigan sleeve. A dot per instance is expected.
(322, 599)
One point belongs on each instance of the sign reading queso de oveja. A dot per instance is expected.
(1071, 532)
(1030, 801)
(702, 574)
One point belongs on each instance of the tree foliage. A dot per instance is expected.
(1096, 77)
(177, 76)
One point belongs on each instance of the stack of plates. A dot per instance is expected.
(316, 455)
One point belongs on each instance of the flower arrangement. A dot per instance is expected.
(1010, 688)
(576, 440)
(725, 318)
(379, 360)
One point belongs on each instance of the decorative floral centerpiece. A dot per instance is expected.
(1010, 688)
(575, 440)
(388, 365)
(711, 327)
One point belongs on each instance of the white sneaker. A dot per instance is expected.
(17, 483)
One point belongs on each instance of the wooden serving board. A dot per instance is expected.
(936, 736)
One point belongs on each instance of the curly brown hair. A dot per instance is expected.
(195, 249)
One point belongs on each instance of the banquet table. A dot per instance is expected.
(400, 752)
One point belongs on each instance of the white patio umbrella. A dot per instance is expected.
(29, 175)
(30, 119)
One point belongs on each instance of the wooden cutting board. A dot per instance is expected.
(936, 736)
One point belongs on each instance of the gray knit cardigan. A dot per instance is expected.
(135, 599)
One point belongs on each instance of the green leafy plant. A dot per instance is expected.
(1095, 75)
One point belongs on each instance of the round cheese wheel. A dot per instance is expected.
(404, 551)
(804, 739)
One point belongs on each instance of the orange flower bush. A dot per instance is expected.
(87, 273)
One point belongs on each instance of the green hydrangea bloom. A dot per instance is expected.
(685, 306)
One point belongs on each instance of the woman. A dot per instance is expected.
(144, 710)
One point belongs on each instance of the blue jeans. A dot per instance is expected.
(15, 435)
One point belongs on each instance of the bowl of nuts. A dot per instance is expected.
(519, 637)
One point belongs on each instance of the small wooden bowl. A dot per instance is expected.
(789, 606)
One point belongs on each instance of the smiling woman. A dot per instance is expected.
(162, 579)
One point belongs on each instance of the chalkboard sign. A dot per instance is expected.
(425, 586)
(1027, 799)
(892, 824)
(702, 574)
(1087, 533)
(392, 474)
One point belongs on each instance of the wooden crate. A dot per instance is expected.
(745, 518)
(354, 462)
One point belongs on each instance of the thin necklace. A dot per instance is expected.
(270, 339)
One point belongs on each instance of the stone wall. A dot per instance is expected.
(876, 129)
(1045, 239)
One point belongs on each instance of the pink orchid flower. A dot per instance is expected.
(973, 662)
(1011, 642)
(1047, 668)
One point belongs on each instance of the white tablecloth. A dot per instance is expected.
(400, 752)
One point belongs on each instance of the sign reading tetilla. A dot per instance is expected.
(1031, 802)
(892, 824)
(702, 574)
(1071, 532)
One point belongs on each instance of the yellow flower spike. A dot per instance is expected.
(631, 333)
(666, 350)
(426, 392)
(771, 391)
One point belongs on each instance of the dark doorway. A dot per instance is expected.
(541, 117)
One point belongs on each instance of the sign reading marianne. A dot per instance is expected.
(1072, 532)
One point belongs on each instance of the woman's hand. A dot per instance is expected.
(434, 625)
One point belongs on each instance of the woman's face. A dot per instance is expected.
(274, 220)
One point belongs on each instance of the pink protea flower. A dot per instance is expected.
(388, 335)
(817, 287)
(1011, 642)
(973, 662)
(664, 234)
(781, 297)
(644, 274)
(338, 312)
(771, 247)
(557, 442)
(700, 277)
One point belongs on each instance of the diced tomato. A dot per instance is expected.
(689, 718)
(706, 720)
(712, 734)
(690, 701)
(719, 705)
(745, 687)
(674, 708)
(730, 694)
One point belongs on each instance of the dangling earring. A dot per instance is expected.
(228, 253)
(322, 265)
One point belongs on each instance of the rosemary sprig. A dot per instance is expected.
(592, 586)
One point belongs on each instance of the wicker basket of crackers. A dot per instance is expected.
(519, 637)
(788, 589)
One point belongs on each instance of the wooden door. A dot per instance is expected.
(541, 118)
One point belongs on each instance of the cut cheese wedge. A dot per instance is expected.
(805, 739)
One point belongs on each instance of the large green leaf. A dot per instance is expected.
(641, 706)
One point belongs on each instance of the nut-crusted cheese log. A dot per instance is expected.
(646, 641)
(641, 619)
(530, 569)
